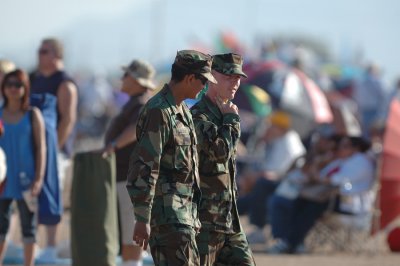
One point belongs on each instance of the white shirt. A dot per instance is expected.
(282, 152)
(355, 178)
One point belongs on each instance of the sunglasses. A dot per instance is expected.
(14, 84)
(43, 51)
(202, 79)
(345, 145)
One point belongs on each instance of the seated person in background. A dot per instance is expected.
(280, 147)
(352, 173)
(284, 204)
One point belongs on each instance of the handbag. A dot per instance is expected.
(3, 171)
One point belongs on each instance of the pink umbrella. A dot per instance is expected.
(293, 91)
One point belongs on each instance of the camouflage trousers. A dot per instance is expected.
(174, 245)
(224, 249)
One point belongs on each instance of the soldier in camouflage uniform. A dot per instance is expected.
(221, 240)
(163, 179)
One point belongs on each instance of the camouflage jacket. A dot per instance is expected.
(163, 179)
(218, 136)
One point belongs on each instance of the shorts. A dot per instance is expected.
(126, 215)
(65, 168)
(28, 220)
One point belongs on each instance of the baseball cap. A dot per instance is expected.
(228, 64)
(195, 62)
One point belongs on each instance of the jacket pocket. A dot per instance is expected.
(177, 199)
(216, 208)
(183, 152)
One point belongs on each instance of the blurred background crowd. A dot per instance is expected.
(319, 106)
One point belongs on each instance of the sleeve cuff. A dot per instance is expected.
(142, 217)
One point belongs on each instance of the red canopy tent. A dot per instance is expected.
(390, 167)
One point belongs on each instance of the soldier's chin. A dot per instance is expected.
(230, 98)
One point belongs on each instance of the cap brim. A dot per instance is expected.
(242, 74)
(238, 71)
(210, 77)
(146, 83)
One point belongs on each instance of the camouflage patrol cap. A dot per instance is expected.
(228, 64)
(195, 62)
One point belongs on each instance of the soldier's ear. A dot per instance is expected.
(189, 78)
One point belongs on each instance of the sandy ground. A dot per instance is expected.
(330, 260)
(376, 254)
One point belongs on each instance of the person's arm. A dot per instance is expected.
(40, 150)
(218, 143)
(67, 100)
(144, 169)
(127, 136)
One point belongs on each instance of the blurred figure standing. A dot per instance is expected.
(5, 67)
(120, 138)
(25, 148)
(384, 110)
(217, 122)
(369, 95)
(50, 78)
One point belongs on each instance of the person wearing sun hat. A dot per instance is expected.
(143, 72)
(163, 180)
(279, 119)
(120, 138)
(216, 118)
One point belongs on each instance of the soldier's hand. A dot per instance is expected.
(226, 106)
(141, 234)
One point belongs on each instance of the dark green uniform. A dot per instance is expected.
(221, 240)
(163, 180)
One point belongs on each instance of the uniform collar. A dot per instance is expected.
(167, 93)
(212, 107)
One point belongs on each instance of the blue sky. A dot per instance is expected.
(102, 34)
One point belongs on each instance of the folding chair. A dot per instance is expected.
(344, 232)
